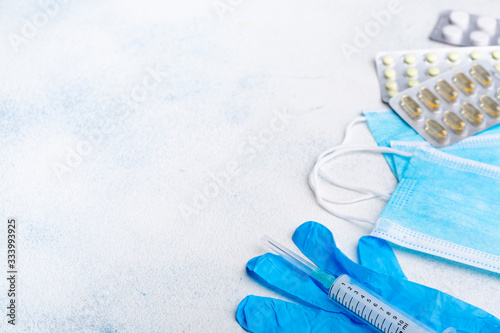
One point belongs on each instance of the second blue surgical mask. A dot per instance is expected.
(386, 126)
(480, 148)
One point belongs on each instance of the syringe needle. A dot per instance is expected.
(307, 267)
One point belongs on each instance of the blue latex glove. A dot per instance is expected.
(379, 271)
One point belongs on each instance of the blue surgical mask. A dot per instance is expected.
(480, 148)
(447, 206)
(386, 126)
(444, 203)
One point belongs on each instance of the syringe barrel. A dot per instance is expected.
(371, 308)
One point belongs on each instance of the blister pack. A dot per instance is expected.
(463, 29)
(399, 70)
(454, 105)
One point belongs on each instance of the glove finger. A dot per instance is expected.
(376, 254)
(277, 274)
(261, 314)
(317, 243)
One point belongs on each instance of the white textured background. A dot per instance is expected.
(98, 186)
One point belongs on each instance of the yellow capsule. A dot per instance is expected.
(429, 99)
(481, 75)
(411, 107)
(472, 114)
(490, 106)
(446, 91)
(497, 67)
(464, 83)
(454, 122)
(436, 130)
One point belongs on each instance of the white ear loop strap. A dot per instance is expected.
(327, 156)
(370, 193)
(347, 135)
(348, 129)
(336, 151)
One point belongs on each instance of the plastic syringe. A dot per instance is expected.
(354, 297)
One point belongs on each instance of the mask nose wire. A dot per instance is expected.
(333, 152)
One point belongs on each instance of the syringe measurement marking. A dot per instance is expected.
(368, 318)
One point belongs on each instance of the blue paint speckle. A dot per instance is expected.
(108, 328)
